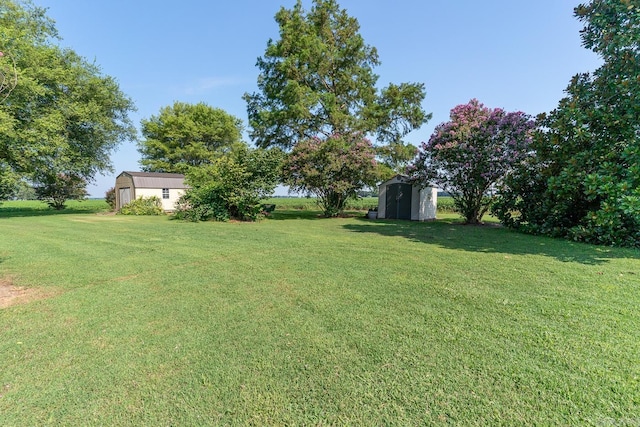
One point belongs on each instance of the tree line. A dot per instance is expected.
(321, 125)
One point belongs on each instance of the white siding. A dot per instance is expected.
(167, 204)
(416, 203)
(428, 204)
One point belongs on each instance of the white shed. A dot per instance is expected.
(168, 187)
(399, 199)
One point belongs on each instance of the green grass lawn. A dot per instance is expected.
(300, 320)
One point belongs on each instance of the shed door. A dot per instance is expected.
(398, 203)
(125, 196)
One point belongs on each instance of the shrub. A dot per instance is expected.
(143, 206)
(110, 198)
(582, 180)
(202, 204)
(232, 186)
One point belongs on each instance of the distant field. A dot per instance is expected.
(300, 320)
(445, 204)
(307, 203)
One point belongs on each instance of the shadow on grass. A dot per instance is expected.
(285, 214)
(15, 212)
(490, 238)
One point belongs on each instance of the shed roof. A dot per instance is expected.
(157, 180)
(402, 178)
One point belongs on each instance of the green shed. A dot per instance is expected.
(399, 199)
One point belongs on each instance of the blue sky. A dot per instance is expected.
(513, 54)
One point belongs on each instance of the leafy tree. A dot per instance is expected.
(471, 154)
(332, 169)
(8, 182)
(584, 181)
(184, 135)
(8, 75)
(231, 186)
(317, 80)
(394, 159)
(57, 189)
(24, 190)
(63, 116)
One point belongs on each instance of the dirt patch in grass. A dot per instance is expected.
(13, 295)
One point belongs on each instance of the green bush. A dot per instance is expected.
(232, 186)
(110, 198)
(202, 204)
(332, 169)
(143, 206)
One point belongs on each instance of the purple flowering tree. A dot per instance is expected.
(332, 169)
(470, 155)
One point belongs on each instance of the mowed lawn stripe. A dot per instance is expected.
(306, 321)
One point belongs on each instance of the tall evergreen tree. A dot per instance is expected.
(317, 80)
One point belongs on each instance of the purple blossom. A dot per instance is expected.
(473, 150)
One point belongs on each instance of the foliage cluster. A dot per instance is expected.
(317, 80)
(8, 181)
(57, 189)
(24, 190)
(232, 186)
(583, 182)
(470, 155)
(64, 116)
(227, 178)
(394, 158)
(331, 169)
(184, 136)
(110, 198)
(8, 75)
(143, 206)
